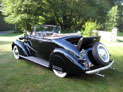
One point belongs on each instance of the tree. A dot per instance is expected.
(70, 14)
(24, 13)
(120, 18)
(112, 18)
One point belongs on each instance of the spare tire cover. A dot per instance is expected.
(100, 54)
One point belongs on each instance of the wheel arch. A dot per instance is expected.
(22, 48)
(70, 61)
(55, 55)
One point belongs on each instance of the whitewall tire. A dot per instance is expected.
(60, 74)
(16, 52)
(101, 54)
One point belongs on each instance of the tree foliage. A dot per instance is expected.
(89, 27)
(120, 17)
(70, 14)
(24, 13)
(112, 18)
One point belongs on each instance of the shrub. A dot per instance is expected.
(89, 27)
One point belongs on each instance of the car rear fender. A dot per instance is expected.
(71, 60)
(22, 48)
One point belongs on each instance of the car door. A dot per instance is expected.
(35, 43)
(42, 46)
(46, 47)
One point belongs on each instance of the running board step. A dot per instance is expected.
(37, 60)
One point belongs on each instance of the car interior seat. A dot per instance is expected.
(79, 44)
(86, 42)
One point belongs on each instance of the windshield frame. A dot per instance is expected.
(53, 31)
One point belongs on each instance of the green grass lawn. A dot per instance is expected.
(24, 76)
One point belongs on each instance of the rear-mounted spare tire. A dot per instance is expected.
(100, 54)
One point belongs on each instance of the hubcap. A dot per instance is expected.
(103, 53)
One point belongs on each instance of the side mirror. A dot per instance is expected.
(21, 38)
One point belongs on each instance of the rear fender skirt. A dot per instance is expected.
(70, 57)
(22, 49)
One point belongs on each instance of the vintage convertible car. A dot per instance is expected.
(63, 53)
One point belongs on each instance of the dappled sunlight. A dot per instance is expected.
(115, 49)
(10, 37)
(112, 44)
(5, 48)
(4, 42)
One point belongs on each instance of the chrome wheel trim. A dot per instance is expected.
(16, 52)
(59, 73)
(103, 53)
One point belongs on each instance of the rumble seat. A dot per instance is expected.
(79, 44)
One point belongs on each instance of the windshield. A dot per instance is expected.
(48, 28)
(44, 28)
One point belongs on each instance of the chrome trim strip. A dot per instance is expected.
(99, 69)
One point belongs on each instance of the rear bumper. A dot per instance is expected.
(99, 69)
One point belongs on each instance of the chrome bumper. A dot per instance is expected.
(99, 69)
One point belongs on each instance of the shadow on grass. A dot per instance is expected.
(69, 77)
(45, 77)
(120, 34)
(109, 74)
(110, 77)
(113, 76)
(120, 40)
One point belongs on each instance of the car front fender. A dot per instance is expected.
(22, 49)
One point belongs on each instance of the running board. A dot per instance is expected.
(37, 60)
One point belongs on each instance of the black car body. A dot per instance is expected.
(64, 53)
